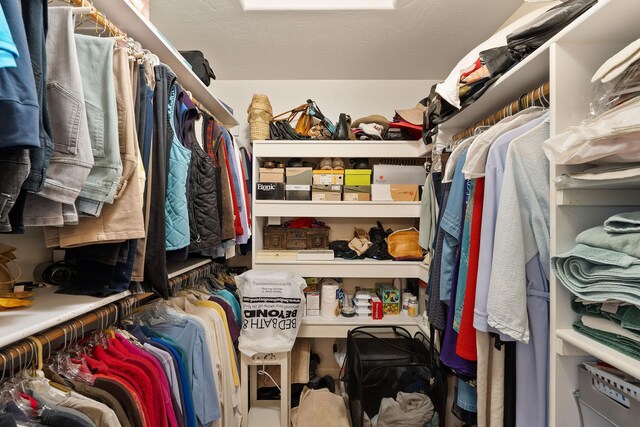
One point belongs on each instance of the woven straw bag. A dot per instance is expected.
(260, 115)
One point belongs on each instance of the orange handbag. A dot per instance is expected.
(404, 245)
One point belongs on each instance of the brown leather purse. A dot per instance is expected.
(404, 245)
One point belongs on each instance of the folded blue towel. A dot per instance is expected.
(598, 274)
(624, 243)
(627, 222)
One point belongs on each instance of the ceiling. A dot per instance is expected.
(421, 39)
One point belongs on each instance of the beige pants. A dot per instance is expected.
(490, 382)
(122, 220)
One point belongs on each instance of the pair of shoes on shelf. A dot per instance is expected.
(270, 164)
(328, 164)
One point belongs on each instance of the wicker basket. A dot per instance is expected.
(260, 115)
(260, 102)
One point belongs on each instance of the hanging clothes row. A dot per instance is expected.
(104, 148)
(488, 234)
(171, 363)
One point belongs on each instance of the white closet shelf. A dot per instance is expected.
(607, 354)
(598, 197)
(342, 209)
(129, 19)
(339, 327)
(364, 268)
(534, 69)
(176, 268)
(48, 310)
(318, 148)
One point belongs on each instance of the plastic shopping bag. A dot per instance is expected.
(272, 306)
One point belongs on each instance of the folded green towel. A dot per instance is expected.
(617, 342)
(627, 222)
(627, 316)
(599, 275)
(626, 243)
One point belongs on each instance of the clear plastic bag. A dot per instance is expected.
(609, 94)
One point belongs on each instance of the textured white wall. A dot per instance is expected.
(357, 98)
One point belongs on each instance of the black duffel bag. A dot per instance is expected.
(199, 65)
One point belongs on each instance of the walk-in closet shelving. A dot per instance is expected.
(575, 56)
(341, 216)
(568, 61)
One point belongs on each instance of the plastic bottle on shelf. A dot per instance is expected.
(413, 307)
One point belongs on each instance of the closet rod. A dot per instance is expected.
(538, 96)
(184, 280)
(24, 354)
(114, 31)
(99, 18)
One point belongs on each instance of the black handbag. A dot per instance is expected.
(282, 130)
(199, 65)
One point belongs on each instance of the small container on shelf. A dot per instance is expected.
(298, 192)
(299, 176)
(331, 193)
(376, 309)
(394, 193)
(357, 177)
(270, 191)
(399, 174)
(413, 307)
(356, 193)
(271, 175)
(328, 177)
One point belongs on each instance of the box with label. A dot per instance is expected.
(357, 177)
(313, 303)
(324, 177)
(388, 293)
(356, 193)
(376, 308)
(271, 175)
(332, 193)
(391, 308)
(399, 174)
(299, 176)
(269, 191)
(298, 192)
(394, 193)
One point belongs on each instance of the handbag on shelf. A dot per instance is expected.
(199, 65)
(280, 128)
(404, 245)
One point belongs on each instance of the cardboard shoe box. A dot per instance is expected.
(272, 175)
(269, 191)
(394, 193)
(298, 192)
(325, 177)
(299, 176)
(356, 193)
(399, 174)
(357, 177)
(332, 193)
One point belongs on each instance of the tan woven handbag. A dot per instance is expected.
(403, 245)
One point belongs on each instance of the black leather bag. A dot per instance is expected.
(531, 36)
(199, 65)
(282, 130)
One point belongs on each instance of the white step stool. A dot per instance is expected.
(262, 411)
